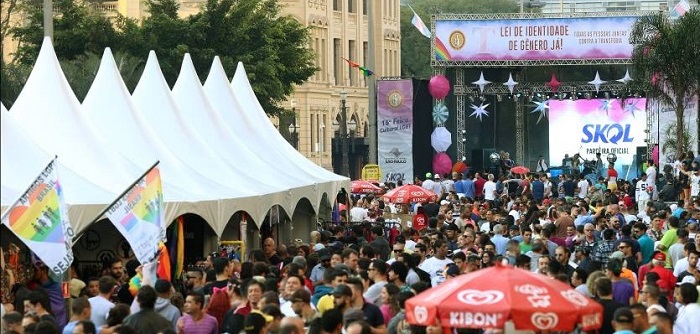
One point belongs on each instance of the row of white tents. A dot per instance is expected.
(219, 152)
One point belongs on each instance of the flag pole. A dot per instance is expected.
(9, 208)
(77, 236)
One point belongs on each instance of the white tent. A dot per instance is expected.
(109, 106)
(219, 152)
(23, 160)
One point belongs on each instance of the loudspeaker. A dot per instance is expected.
(480, 159)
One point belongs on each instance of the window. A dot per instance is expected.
(337, 5)
(337, 54)
(365, 57)
(352, 6)
(365, 5)
(352, 56)
(314, 145)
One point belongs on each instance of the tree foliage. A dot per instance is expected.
(415, 48)
(669, 51)
(274, 48)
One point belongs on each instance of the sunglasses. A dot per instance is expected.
(398, 250)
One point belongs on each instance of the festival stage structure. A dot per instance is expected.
(514, 43)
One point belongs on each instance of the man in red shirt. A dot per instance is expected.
(479, 186)
(667, 281)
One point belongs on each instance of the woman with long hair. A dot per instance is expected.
(390, 303)
(487, 259)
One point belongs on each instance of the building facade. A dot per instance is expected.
(339, 29)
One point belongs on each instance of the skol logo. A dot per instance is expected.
(606, 133)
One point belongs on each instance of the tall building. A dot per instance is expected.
(339, 29)
(593, 6)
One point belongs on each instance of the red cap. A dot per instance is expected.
(660, 257)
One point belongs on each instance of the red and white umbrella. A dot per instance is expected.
(409, 194)
(489, 298)
(364, 187)
(520, 170)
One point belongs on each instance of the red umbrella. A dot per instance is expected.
(489, 298)
(409, 194)
(520, 170)
(364, 187)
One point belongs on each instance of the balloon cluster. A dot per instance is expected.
(441, 138)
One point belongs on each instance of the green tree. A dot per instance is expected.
(415, 48)
(80, 72)
(78, 29)
(274, 48)
(669, 51)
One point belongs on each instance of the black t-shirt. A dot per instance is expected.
(373, 315)
(431, 209)
(569, 188)
(209, 287)
(609, 307)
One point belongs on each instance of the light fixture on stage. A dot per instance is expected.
(611, 157)
(482, 98)
(464, 132)
(464, 140)
(499, 98)
(494, 157)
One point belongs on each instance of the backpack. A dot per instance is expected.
(422, 274)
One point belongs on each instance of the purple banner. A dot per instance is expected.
(582, 38)
(395, 129)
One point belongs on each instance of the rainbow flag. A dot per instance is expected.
(177, 247)
(40, 219)
(138, 215)
(441, 52)
(365, 71)
(418, 23)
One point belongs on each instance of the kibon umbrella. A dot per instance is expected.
(364, 187)
(489, 298)
(520, 170)
(409, 194)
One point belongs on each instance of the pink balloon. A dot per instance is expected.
(442, 163)
(439, 86)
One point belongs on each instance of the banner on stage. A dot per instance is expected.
(534, 39)
(395, 129)
(598, 125)
(138, 216)
(40, 220)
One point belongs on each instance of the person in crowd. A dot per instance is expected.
(147, 320)
(688, 320)
(378, 274)
(81, 312)
(604, 294)
(195, 320)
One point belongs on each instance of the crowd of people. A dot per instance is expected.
(636, 256)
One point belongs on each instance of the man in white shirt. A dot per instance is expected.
(358, 213)
(651, 179)
(688, 320)
(582, 187)
(490, 189)
(100, 304)
(435, 266)
(641, 193)
(377, 273)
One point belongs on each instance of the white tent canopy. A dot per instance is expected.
(218, 155)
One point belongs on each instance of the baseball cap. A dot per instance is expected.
(444, 202)
(255, 321)
(324, 254)
(342, 290)
(688, 279)
(436, 176)
(428, 175)
(318, 247)
(660, 256)
(623, 315)
(617, 255)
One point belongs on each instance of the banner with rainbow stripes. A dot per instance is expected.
(138, 215)
(39, 218)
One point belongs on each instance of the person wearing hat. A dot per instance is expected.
(623, 321)
(327, 301)
(342, 297)
(301, 304)
(429, 184)
(257, 322)
(666, 275)
(324, 262)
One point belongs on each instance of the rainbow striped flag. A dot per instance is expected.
(418, 23)
(138, 215)
(40, 219)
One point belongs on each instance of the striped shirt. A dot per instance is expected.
(206, 325)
